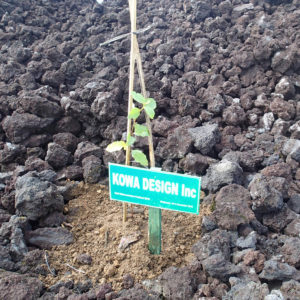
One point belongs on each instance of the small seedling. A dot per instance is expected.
(146, 105)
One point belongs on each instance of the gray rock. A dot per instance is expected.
(201, 9)
(215, 242)
(215, 103)
(47, 175)
(234, 115)
(71, 172)
(291, 289)
(6, 262)
(92, 169)
(54, 219)
(18, 127)
(221, 174)
(291, 251)
(4, 216)
(22, 287)
(283, 109)
(57, 156)
(277, 221)
(5, 176)
(294, 203)
(39, 106)
(177, 283)
(293, 228)
(248, 242)
(217, 266)
(105, 107)
(66, 140)
(137, 292)
(18, 246)
(283, 60)
(177, 145)
(292, 148)
(271, 160)
(11, 153)
(68, 124)
(46, 238)
(232, 207)
(85, 149)
(274, 270)
(265, 198)
(205, 137)
(77, 110)
(36, 164)
(250, 160)
(36, 198)
(268, 120)
(275, 295)
(196, 163)
(208, 224)
(84, 259)
(285, 87)
(242, 290)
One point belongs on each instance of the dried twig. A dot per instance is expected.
(77, 270)
(122, 36)
(47, 264)
(106, 238)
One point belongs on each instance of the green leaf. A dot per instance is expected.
(116, 146)
(151, 103)
(141, 130)
(149, 111)
(131, 140)
(138, 97)
(134, 113)
(140, 157)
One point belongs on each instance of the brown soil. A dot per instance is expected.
(96, 223)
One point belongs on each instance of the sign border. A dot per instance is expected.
(175, 174)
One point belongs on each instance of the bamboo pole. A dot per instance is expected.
(132, 8)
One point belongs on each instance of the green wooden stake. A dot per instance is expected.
(154, 228)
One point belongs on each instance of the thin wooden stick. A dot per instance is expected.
(132, 7)
(48, 266)
(77, 270)
(144, 92)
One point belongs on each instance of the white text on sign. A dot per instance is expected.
(153, 185)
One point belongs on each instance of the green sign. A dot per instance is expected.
(154, 188)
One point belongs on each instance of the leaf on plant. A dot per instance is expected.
(116, 146)
(138, 97)
(134, 113)
(141, 130)
(131, 140)
(151, 103)
(140, 157)
(149, 111)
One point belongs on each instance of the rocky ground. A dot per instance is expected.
(226, 77)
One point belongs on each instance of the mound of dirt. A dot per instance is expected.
(96, 222)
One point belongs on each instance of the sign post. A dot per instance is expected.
(157, 190)
(154, 230)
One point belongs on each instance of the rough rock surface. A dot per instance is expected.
(15, 286)
(36, 198)
(45, 238)
(232, 207)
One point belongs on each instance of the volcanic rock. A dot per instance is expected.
(15, 286)
(35, 198)
(220, 174)
(205, 137)
(232, 207)
(57, 156)
(46, 238)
